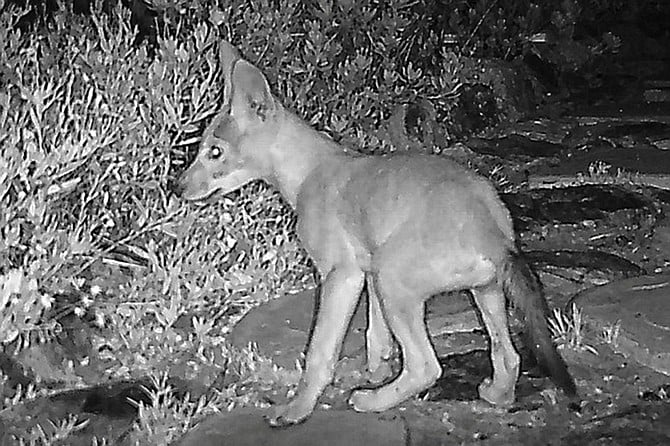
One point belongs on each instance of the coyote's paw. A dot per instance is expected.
(362, 400)
(296, 411)
(496, 395)
(368, 400)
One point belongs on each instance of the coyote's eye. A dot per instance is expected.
(215, 152)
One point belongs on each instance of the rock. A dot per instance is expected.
(564, 273)
(576, 204)
(635, 130)
(656, 95)
(587, 262)
(519, 145)
(641, 306)
(44, 414)
(105, 411)
(280, 328)
(247, 427)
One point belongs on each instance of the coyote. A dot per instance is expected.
(406, 227)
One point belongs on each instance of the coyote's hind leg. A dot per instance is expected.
(404, 312)
(379, 341)
(499, 390)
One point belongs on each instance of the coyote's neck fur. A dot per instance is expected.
(296, 153)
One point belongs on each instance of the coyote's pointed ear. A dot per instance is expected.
(228, 55)
(252, 98)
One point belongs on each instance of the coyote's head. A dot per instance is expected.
(234, 147)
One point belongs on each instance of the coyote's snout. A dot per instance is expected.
(404, 227)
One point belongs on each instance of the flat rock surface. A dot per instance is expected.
(635, 112)
(638, 160)
(281, 327)
(641, 305)
(247, 427)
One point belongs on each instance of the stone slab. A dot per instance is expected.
(643, 161)
(642, 306)
(661, 181)
(656, 95)
(280, 328)
(635, 112)
(247, 427)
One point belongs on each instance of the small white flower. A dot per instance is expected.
(99, 319)
(46, 301)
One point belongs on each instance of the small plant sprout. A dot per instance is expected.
(201, 326)
(167, 416)
(498, 176)
(599, 169)
(22, 395)
(568, 329)
(610, 333)
(602, 172)
(58, 432)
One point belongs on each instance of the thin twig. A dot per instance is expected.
(474, 31)
(126, 239)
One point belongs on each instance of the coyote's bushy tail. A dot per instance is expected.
(523, 288)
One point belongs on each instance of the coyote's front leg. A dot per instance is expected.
(340, 292)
